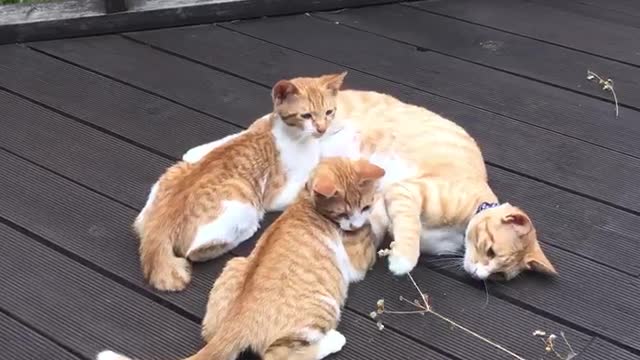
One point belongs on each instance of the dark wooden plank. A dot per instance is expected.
(552, 25)
(97, 231)
(87, 17)
(553, 64)
(564, 219)
(567, 160)
(600, 349)
(112, 167)
(528, 101)
(22, 343)
(88, 226)
(84, 310)
(197, 86)
(586, 294)
(499, 321)
(623, 12)
(123, 111)
(113, 6)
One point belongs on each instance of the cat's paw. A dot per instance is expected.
(400, 265)
(110, 355)
(173, 276)
(332, 342)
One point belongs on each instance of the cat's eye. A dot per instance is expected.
(330, 112)
(306, 116)
(491, 253)
(366, 208)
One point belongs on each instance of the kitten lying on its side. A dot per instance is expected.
(197, 211)
(283, 301)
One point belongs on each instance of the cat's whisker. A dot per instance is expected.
(486, 291)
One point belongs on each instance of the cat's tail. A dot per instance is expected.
(160, 265)
(224, 345)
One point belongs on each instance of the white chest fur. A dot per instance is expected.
(349, 273)
(298, 156)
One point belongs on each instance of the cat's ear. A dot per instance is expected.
(324, 185)
(282, 90)
(368, 171)
(333, 82)
(535, 260)
(519, 220)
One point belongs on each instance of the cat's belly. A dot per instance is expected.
(440, 241)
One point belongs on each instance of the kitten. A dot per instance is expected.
(435, 182)
(284, 300)
(197, 211)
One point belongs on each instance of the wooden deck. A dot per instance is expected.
(88, 124)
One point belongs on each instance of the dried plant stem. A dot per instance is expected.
(607, 85)
(428, 309)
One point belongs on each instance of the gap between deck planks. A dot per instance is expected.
(278, 60)
(551, 24)
(92, 234)
(564, 161)
(551, 64)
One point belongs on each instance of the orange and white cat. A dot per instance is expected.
(197, 211)
(435, 196)
(284, 300)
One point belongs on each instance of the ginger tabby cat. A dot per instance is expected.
(197, 211)
(284, 300)
(435, 195)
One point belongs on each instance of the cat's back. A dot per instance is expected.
(424, 139)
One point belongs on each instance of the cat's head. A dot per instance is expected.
(501, 242)
(307, 104)
(343, 190)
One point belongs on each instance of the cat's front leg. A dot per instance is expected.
(404, 207)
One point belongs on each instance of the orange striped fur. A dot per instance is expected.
(283, 301)
(197, 211)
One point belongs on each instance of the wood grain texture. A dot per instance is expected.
(552, 64)
(109, 105)
(13, 336)
(562, 160)
(622, 12)
(553, 25)
(564, 219)
(600, 349)
(82, 309)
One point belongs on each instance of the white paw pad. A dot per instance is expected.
(400, 265)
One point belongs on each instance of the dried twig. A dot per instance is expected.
(549, 344)
(607, 85)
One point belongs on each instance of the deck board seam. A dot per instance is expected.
(43, 334)
(543, 313)
(100, 270)
(530, 78)
(413, 87)
(123, 82)
(89, 124)
(518, 34)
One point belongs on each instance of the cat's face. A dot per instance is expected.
(308, 104)
(343, 190)
(501, 242)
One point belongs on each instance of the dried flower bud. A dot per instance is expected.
(539, 333)
(380, 326)
(548, 349)
(373, 315)
(384, 252)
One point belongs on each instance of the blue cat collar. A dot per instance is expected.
(486, 205)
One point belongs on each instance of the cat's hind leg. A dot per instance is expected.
(236, 222)
(403, 201)
(223, 295)
(325, 345)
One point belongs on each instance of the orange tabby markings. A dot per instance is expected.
(200, 210)
(283, 301)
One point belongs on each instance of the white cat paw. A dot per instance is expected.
(332, 342)
(400, 265)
